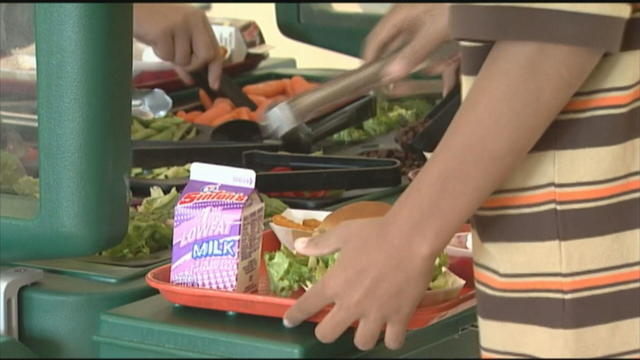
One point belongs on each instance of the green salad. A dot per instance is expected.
(391, 115)
(289, 272)
(150, 226)
(14, 178)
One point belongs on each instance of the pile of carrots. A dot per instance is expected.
(220, 110)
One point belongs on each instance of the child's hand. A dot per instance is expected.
(379, 279)
(180, 34)
(415, 29)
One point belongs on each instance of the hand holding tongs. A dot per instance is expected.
(287, 115)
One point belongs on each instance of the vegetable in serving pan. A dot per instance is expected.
(14, 178)
(150, 227)
(168, 128)
(390, 115)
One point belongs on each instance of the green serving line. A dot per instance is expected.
(155, 328)
(85, 309)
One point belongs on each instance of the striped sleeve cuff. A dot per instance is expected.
(598, 26)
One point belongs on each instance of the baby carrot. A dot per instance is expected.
(300, 85)
(181, 114)
(257, 99)
(217, 109)
(205, 100)
(290, 88)
(267, 89)
(223, 100)
(241, 113)
(192, 115)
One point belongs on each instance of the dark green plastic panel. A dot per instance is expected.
(11, 348)
(84, 107)
(153, 327)
(317, 24)
(59, 315)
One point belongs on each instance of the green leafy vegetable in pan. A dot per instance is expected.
(390, 115)
(150, 226)
(14, 178)
(168, 128)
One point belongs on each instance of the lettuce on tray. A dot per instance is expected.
(289, 272)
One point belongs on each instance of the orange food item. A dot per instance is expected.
(267, 89)
(312, 223)
(205, 100)
(223, 100)
(191, 116)
(284, 221)
(257, 99)
(219, 108)
(300, 85)
(290, 91)
(182, 114)
(241, 113)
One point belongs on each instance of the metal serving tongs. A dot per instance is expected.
(285, 116)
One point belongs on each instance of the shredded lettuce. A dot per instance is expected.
(390, 115)
(27, 186)
(288, 272)
(272, 206)
(11, 171)
(150, 226)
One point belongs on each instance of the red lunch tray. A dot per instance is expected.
(264, 303)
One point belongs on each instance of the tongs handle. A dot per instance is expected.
(439, 119)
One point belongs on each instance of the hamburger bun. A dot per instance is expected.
(357, 210)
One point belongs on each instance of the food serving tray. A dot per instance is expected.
(149, 156)
(308, 173)
(311, 172)
(263, 303)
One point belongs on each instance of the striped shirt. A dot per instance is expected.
(557, 246)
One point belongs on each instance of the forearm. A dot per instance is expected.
(521, 88)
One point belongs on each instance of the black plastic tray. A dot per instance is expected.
(151, 156)
(321, 172)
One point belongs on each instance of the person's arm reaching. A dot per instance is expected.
(384, 265)
(181, 34)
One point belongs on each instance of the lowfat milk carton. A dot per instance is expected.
(217, 230)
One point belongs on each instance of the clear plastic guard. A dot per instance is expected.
(19, 160)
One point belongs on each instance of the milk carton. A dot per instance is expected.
(217, 230)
